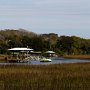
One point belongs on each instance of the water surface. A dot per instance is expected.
(54, 61)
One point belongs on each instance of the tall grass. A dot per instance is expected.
(45, 77)
(78, 56)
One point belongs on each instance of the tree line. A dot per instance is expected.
(62, 45)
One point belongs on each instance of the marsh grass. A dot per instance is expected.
(78, 56)
(45, 77)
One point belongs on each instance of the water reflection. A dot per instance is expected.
(54, 61)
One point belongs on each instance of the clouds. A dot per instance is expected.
(63, 6)
(60, 16)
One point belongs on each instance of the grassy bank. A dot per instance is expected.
(2, 57)
(45, 77)
(78, 56)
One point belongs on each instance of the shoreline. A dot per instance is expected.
(87, 57)
(83, 57)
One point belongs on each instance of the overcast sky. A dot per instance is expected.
(64, 17)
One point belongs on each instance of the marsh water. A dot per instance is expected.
(54, 61)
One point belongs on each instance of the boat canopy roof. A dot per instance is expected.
(20, 49)
(51, 52)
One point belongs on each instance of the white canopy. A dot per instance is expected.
(51, 52)
(20, 49)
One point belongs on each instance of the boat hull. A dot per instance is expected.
(45, 60)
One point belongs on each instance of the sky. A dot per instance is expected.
(63, 17)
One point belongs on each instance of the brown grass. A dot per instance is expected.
(45, 77)
(78, 56)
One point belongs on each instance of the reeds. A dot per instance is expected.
(78, 56)
(45, 77)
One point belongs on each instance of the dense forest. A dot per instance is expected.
(62, 45)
